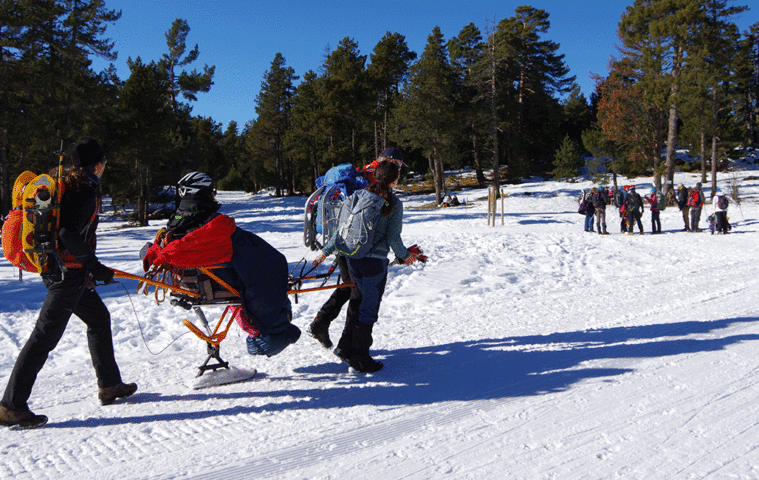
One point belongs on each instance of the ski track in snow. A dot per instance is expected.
(529, 350)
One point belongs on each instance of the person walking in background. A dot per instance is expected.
(653, 202)
(600, 199)
(696, 203)
(72, 293)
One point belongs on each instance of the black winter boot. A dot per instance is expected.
(319, 329)
(359, 359)
(345, 344)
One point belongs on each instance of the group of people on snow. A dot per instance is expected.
(197, 234)
(690, 202)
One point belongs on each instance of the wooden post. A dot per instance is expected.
(502, 209)
(492, 205)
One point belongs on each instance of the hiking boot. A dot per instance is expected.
(22, 419)
(341, 354)
(359, 359)
(107, 395)
(320, 331)
(364, 363)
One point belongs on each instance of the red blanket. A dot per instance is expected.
(210, 244)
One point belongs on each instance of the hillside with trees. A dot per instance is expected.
(501, 101)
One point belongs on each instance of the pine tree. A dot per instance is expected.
(466, 52)
(387, 71)
(346, 105)
(181, 83)
(426, 116)
(48, 93)
(567, 160)
(141, 138)
(747, 86)
(274, 104)
(537, 72)
(306, 138)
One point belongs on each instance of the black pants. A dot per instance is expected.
(655, 222)
(695, 217)
(64, 298)
(331, 308)
(721, 221)
(632, 218)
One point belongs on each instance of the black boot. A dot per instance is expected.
(359, 359)
(319, 329)
(345, 344)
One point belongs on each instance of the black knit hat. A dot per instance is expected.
(87, 153)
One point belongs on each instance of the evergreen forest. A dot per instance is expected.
(500, 101)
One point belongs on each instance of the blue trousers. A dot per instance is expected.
(589, 221)
(370, 276)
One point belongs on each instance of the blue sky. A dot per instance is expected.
(241, 37)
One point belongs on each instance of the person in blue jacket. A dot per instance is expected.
(370, 273)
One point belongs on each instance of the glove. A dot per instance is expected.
(101, 273)
(416, 255)
(319, 259)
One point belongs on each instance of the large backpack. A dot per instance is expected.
(584, 207)
(694, 198)
(619, 197)
(323, 206)
(357, 225)
(30, 232)
(661, 201)
(633, 202)
(722, 202)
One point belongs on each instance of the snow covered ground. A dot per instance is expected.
(528, 350)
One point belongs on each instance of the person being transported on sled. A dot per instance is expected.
(197, 235)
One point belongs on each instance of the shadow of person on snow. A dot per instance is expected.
(482, 369)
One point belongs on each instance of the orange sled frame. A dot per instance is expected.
(194, 287)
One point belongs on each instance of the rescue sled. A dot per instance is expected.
(192, 288)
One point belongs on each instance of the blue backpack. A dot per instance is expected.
(358, 220)
(323, 206)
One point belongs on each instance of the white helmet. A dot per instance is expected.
(192, 183)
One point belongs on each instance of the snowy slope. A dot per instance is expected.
(529, 350)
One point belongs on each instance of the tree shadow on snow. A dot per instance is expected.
(485, 369)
